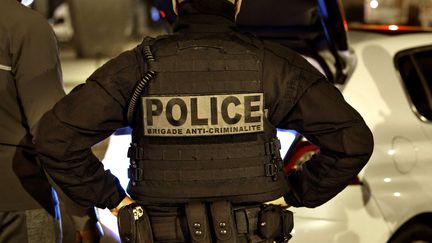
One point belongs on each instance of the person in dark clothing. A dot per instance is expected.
(30, 85)
(204, 105)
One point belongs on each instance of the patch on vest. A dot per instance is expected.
(204, 115)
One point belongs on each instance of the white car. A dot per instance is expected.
(391, 87)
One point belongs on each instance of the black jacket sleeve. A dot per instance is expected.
(90, 113)
(36, 66)
(346, 143)
(300, 98)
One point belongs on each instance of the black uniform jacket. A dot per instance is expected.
(30, 85)
(299, 98)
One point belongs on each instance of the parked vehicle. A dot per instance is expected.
(391, 87)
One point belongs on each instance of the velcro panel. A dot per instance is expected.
(204, 65)
(205, 83)
(203, 174)
(204, 151)
(258, 189)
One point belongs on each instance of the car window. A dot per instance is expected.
(414, 66)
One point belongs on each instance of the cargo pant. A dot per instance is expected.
(30, 226)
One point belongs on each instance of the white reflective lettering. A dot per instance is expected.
(204, 115)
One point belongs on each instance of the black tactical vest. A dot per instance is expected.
(200, 128)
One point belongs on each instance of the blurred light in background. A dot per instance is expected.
(154, 14)
(27, 2)
(374, 4)
(393, 27)
(286, 137)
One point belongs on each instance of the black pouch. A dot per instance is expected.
(134, 224)
(197, 219)
(274, 222)
(168, 224)
(224, 226)
(287, 225)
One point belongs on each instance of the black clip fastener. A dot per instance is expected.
(271, 170)
(135, 173)
(273, 149)
(135, 152)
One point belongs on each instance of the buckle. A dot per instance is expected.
(135, 152)
(277, 144)
(271, 170)
(273, 148)
(135, 173)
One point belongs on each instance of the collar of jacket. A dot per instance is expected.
(202, 23)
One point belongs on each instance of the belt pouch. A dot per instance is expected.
(198, 225)
(287, 224)
(223, 222)
(168, 224)
(275, 223)
(134, 224)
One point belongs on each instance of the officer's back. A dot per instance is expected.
(204, 153)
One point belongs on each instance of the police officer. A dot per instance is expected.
(204, 105)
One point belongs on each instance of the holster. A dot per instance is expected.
(264, 223)
(275, 222)
(134, 224)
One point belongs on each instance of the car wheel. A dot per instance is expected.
(415, 233)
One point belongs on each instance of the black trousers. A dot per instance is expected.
(29, 226)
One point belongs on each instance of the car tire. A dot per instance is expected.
(415, 232)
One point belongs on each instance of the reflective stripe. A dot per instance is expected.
(6, 68)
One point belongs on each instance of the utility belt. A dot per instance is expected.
(197, 222)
